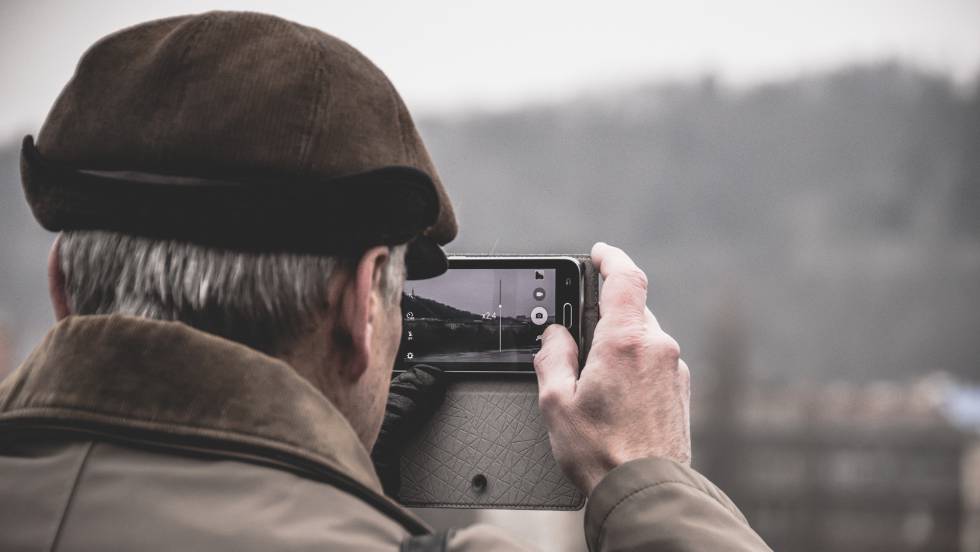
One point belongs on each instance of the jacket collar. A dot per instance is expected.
(166, 376)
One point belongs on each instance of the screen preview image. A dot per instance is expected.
(477, 319)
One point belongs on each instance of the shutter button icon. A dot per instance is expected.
(539, 315)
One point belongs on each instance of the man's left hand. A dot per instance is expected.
(414, 397)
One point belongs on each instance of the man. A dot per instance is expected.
(239, 200)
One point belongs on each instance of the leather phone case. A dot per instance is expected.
(487, 446)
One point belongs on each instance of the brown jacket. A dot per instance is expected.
(120, 433)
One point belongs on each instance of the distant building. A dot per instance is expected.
(845, 466)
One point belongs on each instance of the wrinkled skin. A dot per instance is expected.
(632, 399)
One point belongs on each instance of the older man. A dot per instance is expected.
(239, 199)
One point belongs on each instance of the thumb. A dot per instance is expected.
(556, 365)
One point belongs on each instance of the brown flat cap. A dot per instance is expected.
(238, 130)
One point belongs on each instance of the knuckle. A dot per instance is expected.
(544, 357)
(540, 358)
(549, 399)
(667, 348)
(635, 278)
(631, 341)
(548, 357)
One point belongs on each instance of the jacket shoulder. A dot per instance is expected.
(658, 504)
(103, 496)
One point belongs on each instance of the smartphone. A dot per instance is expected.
(486, 314)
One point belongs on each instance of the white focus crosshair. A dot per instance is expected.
(500, 315)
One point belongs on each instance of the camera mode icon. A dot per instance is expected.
(539, 315)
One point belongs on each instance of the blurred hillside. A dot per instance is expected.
(835, 217)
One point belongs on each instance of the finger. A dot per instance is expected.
(420, 378)
(417, 393)
(556, 365)
(624, 285)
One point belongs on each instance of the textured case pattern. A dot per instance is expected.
(487, 447)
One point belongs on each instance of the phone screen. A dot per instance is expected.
(486, 314)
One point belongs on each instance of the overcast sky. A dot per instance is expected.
(451, 55)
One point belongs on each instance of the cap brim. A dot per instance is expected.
(320, 216)
(424, 258)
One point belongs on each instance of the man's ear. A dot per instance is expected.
(357, 313)
(56, 281)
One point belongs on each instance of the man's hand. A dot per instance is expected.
(413, 399)
(633, 397)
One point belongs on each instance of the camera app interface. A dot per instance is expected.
(477, 319)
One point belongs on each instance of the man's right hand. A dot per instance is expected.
(633, 397)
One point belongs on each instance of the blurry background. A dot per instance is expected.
(801, 181)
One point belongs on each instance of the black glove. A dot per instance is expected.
(414, 398)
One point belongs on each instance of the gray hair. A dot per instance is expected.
(264, 300)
